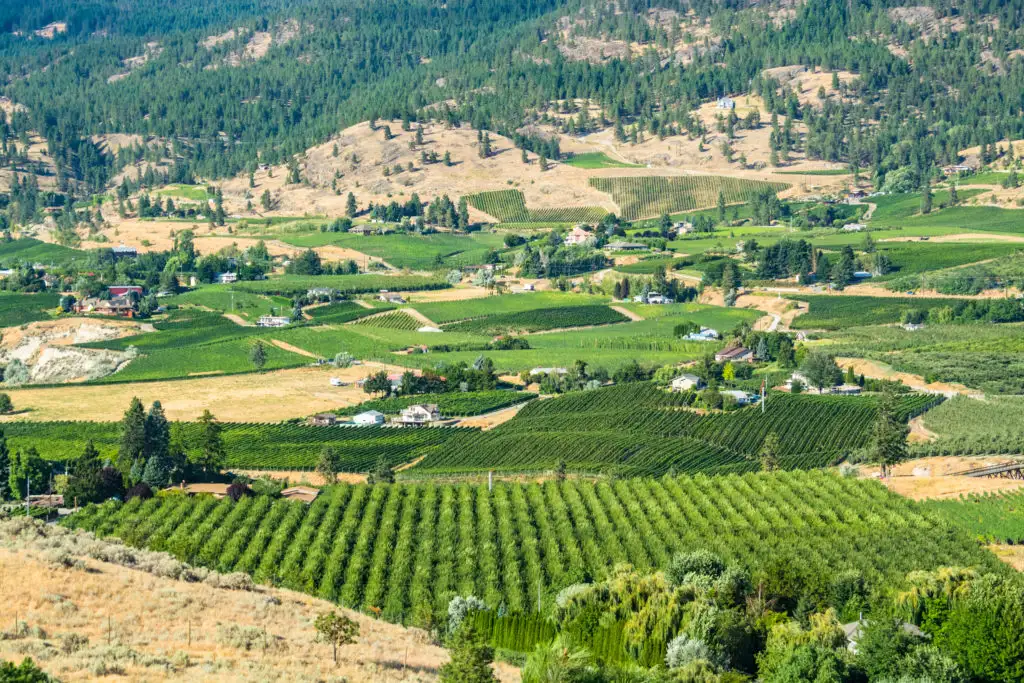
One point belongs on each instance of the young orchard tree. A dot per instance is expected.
(336, 629)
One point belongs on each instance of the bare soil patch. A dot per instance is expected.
(294, 349)
(492, 420)
(932, 477)
(1012, 555)
(297, 477)
(877, 370)
(964, 237)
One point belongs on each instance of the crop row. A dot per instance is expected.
(570, 214)
(990, 517)
(642, 197)
(407, 549)
(540, 319)
(508, 206)
(395, 320)
(258, 446)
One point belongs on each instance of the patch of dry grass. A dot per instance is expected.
(83, 618)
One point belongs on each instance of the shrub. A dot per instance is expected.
(239, 490)
(697, 562)
(682, 650)
(140, 490)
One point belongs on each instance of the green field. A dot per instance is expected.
(648, 266)
(838, 311)
(650, 196)
(197, 193)
(451, 404)
(592, 160)
(904, 211)
(915, 258)
(449, 311)
(396, 320)
(639, 429)
(288, 285)
(509, 206)
(407, 549)
(24, 250)
(249, 446)
(540, 319)
(991, 517)
(342, 312)
(18, 309)
(223, 298)
(967, 426)
(401, 250)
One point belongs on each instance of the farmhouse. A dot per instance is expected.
(273, 321)
(736, 354)
(370, 417)
(687, 382)
(742, 398)
(119, 306)
(853, 227)
(683, 228)
(390, 298)
(577, 236)
(122, 290)
(324, 420)
(419, 414)
(226, 278)
(957, 168)
(548, 371)
(725, 103)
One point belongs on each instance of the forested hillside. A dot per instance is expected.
(225, 86)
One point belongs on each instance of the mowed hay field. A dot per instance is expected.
(254, 397)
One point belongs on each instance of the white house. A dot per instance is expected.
(725, 103)
(687, 382)
(684, 228)
(577, 236)
(705, 334)
(226, 278)
(853, 227)
(548, 371)
(419, 414)
(273, 321)
(370, 417)
(742, 398)
(428, 328)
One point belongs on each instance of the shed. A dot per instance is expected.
(323, 420)
(686, 382)
(370, 417)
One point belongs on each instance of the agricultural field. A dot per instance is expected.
(592, 160)
(647, 266)
(223, 298)
(539, 320)
(449, 311)
(283, 446)
(904, 211)
(643, 197)
(451, 404)
(967, 426)
(395, 320)
(914, 259)
(509, 206)
(836, 312)
(18, 309)
(28, 250)
(407, 549)
(641, 430)
(991, 517)
(342, 312)
(417, 252)
(289, 285)
(196, 193)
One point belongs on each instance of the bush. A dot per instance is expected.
(6, 405)
(698, 562)
(239, 490)
(682, 650)
(140, 490)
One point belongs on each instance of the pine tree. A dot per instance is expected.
(5, 466)
(85, 485)
(133, 438)
(926, 199)
(447, 158)
(471, 658)
(889, 442)
(212, 454)
(463, 213)
(721, 207)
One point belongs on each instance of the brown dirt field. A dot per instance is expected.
(1012, 555)
(632, 315)
(877, 370)
(296, 477)
(919, 433)
(172, 630)
(492, 420)
(294, 349)
(265, 397)
(458, 293)
(938, 483)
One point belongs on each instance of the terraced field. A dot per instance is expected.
(643, 197)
